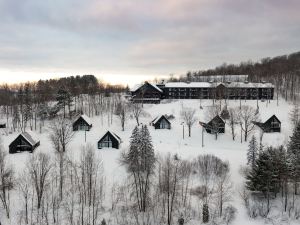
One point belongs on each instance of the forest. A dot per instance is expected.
(283, 71)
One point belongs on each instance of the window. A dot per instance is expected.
(106, 143)
(275, 124)
(164, 124)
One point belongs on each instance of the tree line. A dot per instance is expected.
(30, 104)
(283, 71)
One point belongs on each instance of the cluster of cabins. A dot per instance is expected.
(226, 88)
(25, 142)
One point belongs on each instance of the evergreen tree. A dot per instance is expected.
(294, 156)
(205, 213)
(133, 153)
(146, 150)
(295, 115)
(140, 163)
(64, 99)
(252, 153)
(263, 177)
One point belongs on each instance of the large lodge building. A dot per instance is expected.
(220, 87)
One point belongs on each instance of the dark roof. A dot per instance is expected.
(85, 118)
(159, 118)
(263, 126)
(216, 119)
(28, 138)
(113, 135)
(273, 117)
(136, 87)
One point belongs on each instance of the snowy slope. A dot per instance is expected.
(171, 141)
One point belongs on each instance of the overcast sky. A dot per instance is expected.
(127, 41)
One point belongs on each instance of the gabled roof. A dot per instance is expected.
(85, 118)
(138, 86)
(263, 126)
(273, 117)
(158, 118)
(29, 138)
(217, 118)
(113, 135)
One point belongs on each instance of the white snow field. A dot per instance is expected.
(165, 141)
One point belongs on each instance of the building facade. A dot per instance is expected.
(204, 90)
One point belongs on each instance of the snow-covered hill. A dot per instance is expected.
(171, 140)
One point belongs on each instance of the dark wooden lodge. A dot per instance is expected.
(161, 123)
(82, 123)
(146, 93)
(223, 87)
(273, 124)
(109, 140)
(24, 142)
(216, 125)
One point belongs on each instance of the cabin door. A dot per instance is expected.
(163, 124)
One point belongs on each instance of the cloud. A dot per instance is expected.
(145, 36)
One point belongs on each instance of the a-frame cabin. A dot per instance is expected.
(24, 142)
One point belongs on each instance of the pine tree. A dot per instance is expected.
(295, 115)
(294, 156)
(205, 213)
(140, 163)
(252, 153)
(147, 150)
(64, 99)
(263, 177)
(132, 156)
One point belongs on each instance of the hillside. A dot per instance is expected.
(165, 141)
(283, 71)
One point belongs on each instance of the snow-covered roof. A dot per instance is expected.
(86, 119)
(158, 118)
(187, 85)
(209, 84)
(248, 85)
(136, 87)
(116, 136)
(29, 138)
(224, 78)
(113, 134)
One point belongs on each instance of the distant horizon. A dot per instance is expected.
(129, 41)
(16, 77)
(113, 79)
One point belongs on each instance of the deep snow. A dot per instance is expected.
(171, 141)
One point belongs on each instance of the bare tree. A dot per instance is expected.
(188, 115)
(247, 115)
(169, 184)
(24, 187)
(6, 181)
(137, 110)
(90, 185)
(233, 121)
(39, 166)
(208, 168)
(121, 112)
(224, 186)
(61, 134)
